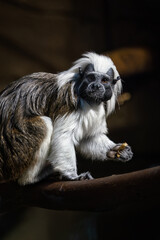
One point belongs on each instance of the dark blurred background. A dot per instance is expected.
(49, 36)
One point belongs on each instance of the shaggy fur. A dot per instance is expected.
(43, 120)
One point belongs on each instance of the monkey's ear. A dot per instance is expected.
(80, 72)
(89, 68)
(117, 79)
(110, 73)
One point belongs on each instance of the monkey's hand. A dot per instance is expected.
(121, 152)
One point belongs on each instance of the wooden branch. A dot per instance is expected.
(93, 195)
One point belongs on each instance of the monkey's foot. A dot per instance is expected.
(84, 176)
(72, 176)
(121, 152)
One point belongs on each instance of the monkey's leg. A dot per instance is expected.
(62, 156)
(34, 172)
(62, 153)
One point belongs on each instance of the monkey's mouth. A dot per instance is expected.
(95, 94)
(98, 96)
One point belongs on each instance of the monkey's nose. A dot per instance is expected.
(95, 86)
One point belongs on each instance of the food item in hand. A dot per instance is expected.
(121, 148)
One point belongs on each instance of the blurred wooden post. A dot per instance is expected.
(132, 60)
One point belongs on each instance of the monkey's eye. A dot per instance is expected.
(104, 80)
(91, 77)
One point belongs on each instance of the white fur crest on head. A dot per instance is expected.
(101, 64)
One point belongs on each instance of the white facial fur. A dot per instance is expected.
(101, 64)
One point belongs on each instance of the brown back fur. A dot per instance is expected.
(21, 129)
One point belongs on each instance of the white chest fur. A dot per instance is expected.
(91, 122)
(81, 124)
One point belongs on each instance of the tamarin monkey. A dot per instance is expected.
(45, 118)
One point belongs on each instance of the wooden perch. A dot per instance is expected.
(89, 195)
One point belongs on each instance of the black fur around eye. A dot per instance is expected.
(91, 77)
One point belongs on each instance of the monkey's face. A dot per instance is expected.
(96, 87)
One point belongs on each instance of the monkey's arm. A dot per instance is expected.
(96, 147)
(62, 157)
(100, 147)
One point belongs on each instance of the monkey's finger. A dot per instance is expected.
(111, 154)
(120, 147)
